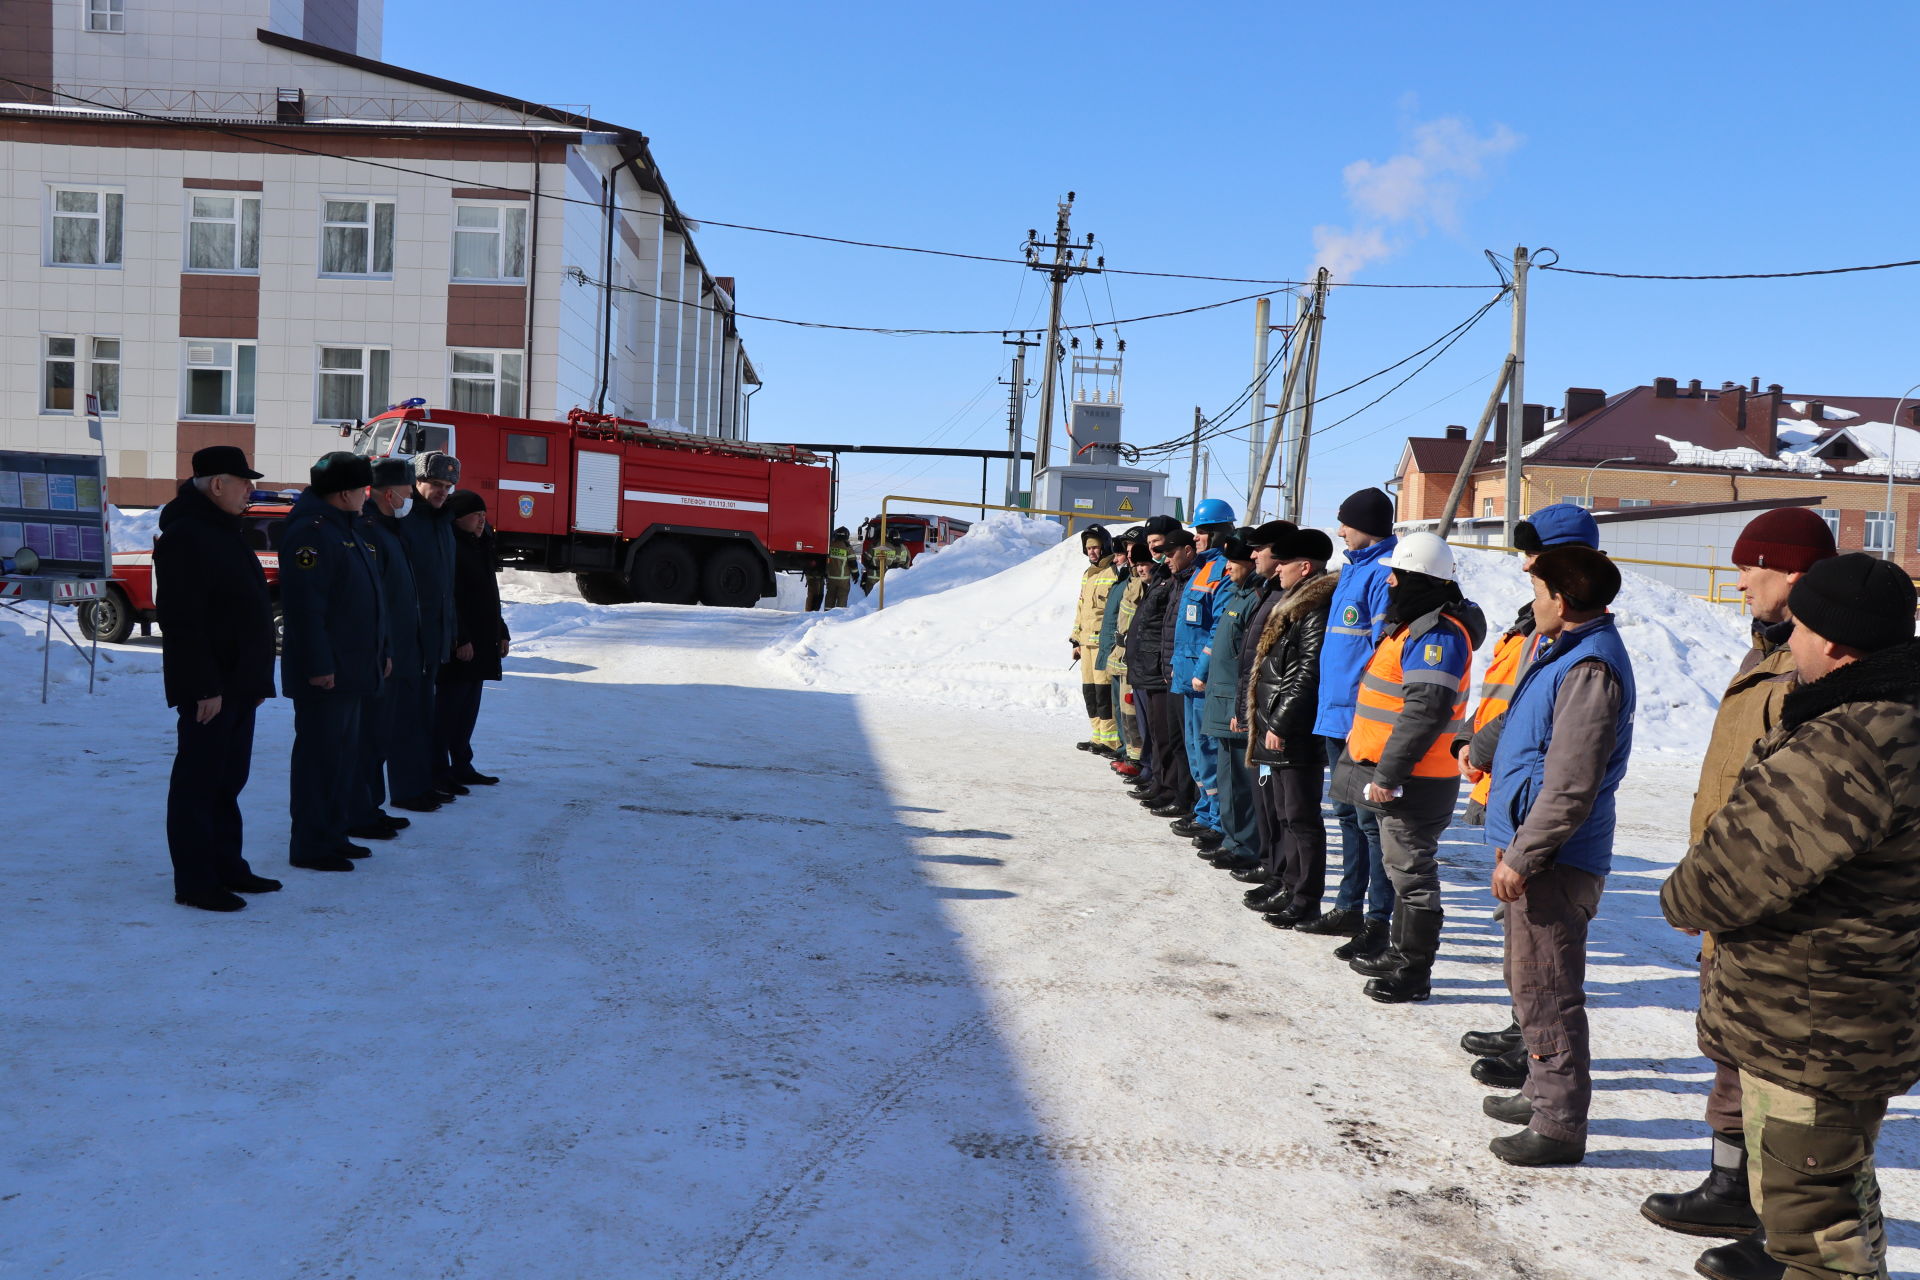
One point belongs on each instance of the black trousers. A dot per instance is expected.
(1168, 735)
(376, 740)
(323, 781)
(409, 730)
(210, 768)
(1293, 836)
(456, 709)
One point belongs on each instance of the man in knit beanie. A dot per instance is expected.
(1772, 553)
(1809, 879)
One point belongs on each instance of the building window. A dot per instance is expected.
(58, 371)
(485, 382)
(217, 379)
(107, 15)
(1486, 508)
(1878, 535)
(223, 233)
(103, 378)
(351, 383)
(1635, 502)
(489, 242)
(1832, 516)
(356, 238)
(1580, 500)
(85, 228)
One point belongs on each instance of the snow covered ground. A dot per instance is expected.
(748, 972)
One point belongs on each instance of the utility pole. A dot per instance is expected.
(1016, 412)
(1516, 392)
(1296, 503)
(1060, 269)
(1257, 413)
(1288, 386)
(1193, 459)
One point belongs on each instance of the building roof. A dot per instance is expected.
(1632, 515)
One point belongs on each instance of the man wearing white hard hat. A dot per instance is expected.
(1399, 761)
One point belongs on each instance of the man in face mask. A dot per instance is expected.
(428, 533)
(393, 743)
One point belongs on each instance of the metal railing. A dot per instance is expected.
(1714, 593)
(880, 590)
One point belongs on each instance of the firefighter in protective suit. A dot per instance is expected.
(1399, 760)
(1095, 586)
(839, 571)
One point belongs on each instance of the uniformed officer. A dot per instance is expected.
(216, 641)
(333, 655)
(428, 532)
(386, 746)
(840, 562)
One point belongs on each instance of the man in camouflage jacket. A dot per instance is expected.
(1809, 880)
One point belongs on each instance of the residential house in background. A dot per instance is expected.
(230, 222)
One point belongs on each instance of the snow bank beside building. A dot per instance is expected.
(982, 622)
(999, 641)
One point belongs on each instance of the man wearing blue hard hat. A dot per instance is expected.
(1503, 1059)
(1213, 521)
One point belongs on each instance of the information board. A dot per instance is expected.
(51, 503)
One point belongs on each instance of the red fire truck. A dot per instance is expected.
(631, 511)
(916, 532)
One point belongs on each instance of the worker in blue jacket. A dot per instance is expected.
(333, 657)
(1355, 623)
(1192, 631)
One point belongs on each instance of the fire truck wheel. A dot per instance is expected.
(108, 619)
(665, 573)
(603, 588)
(731, 578)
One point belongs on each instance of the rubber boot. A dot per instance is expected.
(1419, 944)
(1746, 1259)
(1720, 1206)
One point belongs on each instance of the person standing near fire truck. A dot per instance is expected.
(428, 532)
(379, 728)
(480, 642)
(840, 565)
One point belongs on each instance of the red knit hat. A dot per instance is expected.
(1790, 539)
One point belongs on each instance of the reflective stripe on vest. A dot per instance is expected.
(1381, 699)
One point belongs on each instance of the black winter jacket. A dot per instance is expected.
(428, 531)
(1170, 622)
(1147, 639)
(1285, 693)
(216, 613)
(398, 591)
(335, 617)
(476, 608)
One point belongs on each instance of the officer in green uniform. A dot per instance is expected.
(840, 562)
(334, 655)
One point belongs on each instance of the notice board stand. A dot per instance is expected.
(17, 589)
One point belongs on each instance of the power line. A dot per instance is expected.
(213, 126)
(1421, 368)
(582, 277)
(1743, 275)
(1335, 448)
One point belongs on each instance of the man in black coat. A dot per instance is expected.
(480, 641)
(216, 642)
(333, 656)
(390, 743)
(427, 530)
(1150, 666)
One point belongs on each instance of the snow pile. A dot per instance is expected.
(1687, 454)
(982, 622)
(133, 530)
(1882, 441)
(21, 630)
(1830, 412)
(1684, 650)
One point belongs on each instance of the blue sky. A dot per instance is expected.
(1701, 137)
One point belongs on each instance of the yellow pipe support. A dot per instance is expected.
(1071, 516)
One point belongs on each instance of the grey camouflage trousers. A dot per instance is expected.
(1810, 1171)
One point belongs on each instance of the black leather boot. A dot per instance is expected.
(1491, 1044)
(1742, 1260)
(1388, 960)
(1419, 944)
(1720, 1206)
(1337, 923)
(1370, 941)
(1507, 1071)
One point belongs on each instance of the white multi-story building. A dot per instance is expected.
(231, 223)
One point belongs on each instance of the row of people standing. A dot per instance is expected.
(391, 624)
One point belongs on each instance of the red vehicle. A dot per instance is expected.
(915, 532)
(632, 511)
(129, 598)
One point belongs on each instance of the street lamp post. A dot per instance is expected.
(1893, 451)
(1595, 467)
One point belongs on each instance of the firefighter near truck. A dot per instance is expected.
(633, 512)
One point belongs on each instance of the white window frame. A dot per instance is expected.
(494, 377)
(1625, 503)
(72, 360)
(1832, 516)
(96, 361)
(1880, 521)
(236, 365)
(498, 232)
(1486, 508)
(237, 221)
(370, 358)
(99, 217)
(371, 224)
(104, 17)
(87, 359)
